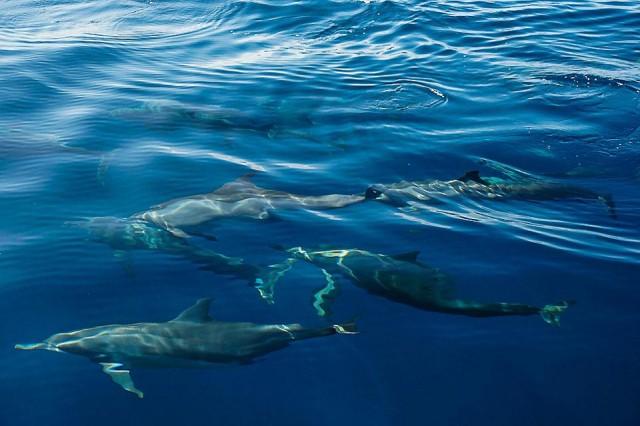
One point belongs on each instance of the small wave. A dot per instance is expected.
(195, 153)
(575, 236)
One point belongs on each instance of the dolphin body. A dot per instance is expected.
(404, 279)
(472, 185)
(239, 198)
(124, 235)
(193, 339)
(170, 115)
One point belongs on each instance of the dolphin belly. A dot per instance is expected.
(185, 212)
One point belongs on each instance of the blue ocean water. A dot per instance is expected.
(108, 108)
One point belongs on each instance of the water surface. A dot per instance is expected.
(109, 108)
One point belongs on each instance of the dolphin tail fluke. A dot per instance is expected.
(297, 332)
(267, 279)
(103, 167)
(551, 313)
(346, 328)
(607, 199)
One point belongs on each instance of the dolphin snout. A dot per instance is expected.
(31, 346)
(77, 223)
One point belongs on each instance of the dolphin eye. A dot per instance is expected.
(372, 193)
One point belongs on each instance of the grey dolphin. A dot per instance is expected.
(173, 114)
(193, 339)
(404, 279)
(472, 185)
(124, 235)
(239, 198)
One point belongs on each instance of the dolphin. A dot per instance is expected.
(473, 185)
(404, 279)
(172, 114)
(124, 235)
(239, 198)
(192, 339)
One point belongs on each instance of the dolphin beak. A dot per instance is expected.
(77, 223)
(31, 346)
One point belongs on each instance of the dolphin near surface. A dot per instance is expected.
(124, 235)
(239, 198)
(472, 185)
(268, 122)
(193, 339)
(404, 279)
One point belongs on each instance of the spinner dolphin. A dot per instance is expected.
(516, 185)
(193, 339)
(240, 198)
(404, 279)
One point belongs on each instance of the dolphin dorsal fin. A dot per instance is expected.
(411, 256)
(243, 181)
(246, 177)
(197, 313)
(473, 175)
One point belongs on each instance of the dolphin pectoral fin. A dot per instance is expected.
(202, 235)
(271, 216)
(177, 232)
(551, 313)
(121, 376)
(125, 258)
(411, 256)
(607, 200)
(346, 328)
(323, 298)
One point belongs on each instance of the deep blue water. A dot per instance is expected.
(108, 108)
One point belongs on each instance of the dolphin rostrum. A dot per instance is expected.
(239, 198)
(402, 278)
(124, 235)
(193, 339)
(472, 185)
(172, 114)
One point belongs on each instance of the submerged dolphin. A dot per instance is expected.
(404, 279)
(240, 198)
(472, 185)
(124, 235)
(270, 123)
(193, 339)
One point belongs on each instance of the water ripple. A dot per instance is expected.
(110, 107)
